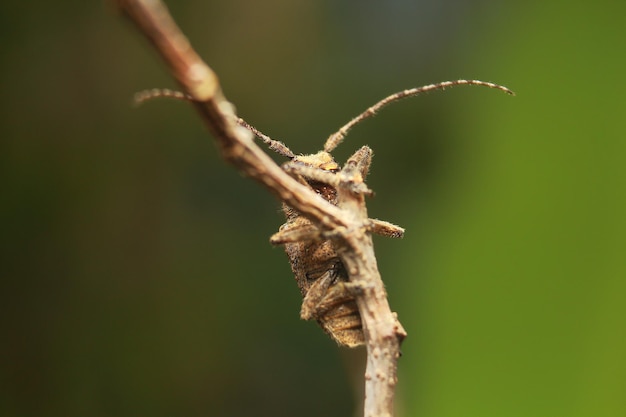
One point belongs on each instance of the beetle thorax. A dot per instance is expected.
(322, 160)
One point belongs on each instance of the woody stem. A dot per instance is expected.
(198, 80)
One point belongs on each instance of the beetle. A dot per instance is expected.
(320, 273)
(318, 270)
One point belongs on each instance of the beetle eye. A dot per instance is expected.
(315, 274)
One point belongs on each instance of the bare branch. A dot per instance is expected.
(346, 224)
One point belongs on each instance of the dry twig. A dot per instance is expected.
(349, 225)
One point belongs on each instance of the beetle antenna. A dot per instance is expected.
(147, 95)
(336, 138)
(274, 145)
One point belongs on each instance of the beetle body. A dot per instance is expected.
(322, 277)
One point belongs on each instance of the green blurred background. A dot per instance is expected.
(137, 277)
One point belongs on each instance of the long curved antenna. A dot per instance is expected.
(147, 95)
(274, 145)
(336, 138)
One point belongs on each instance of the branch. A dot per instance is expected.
(347, 223)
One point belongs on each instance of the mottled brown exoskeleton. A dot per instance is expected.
(319, 271)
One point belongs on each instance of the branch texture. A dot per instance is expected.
(346, 224)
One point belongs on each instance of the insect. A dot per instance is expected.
(318, 270)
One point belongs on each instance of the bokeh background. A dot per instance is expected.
(136, 274)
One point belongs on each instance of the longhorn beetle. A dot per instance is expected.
(319, 271)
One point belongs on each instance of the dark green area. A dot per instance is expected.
(136, 274)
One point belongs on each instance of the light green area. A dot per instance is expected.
(526, 273)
